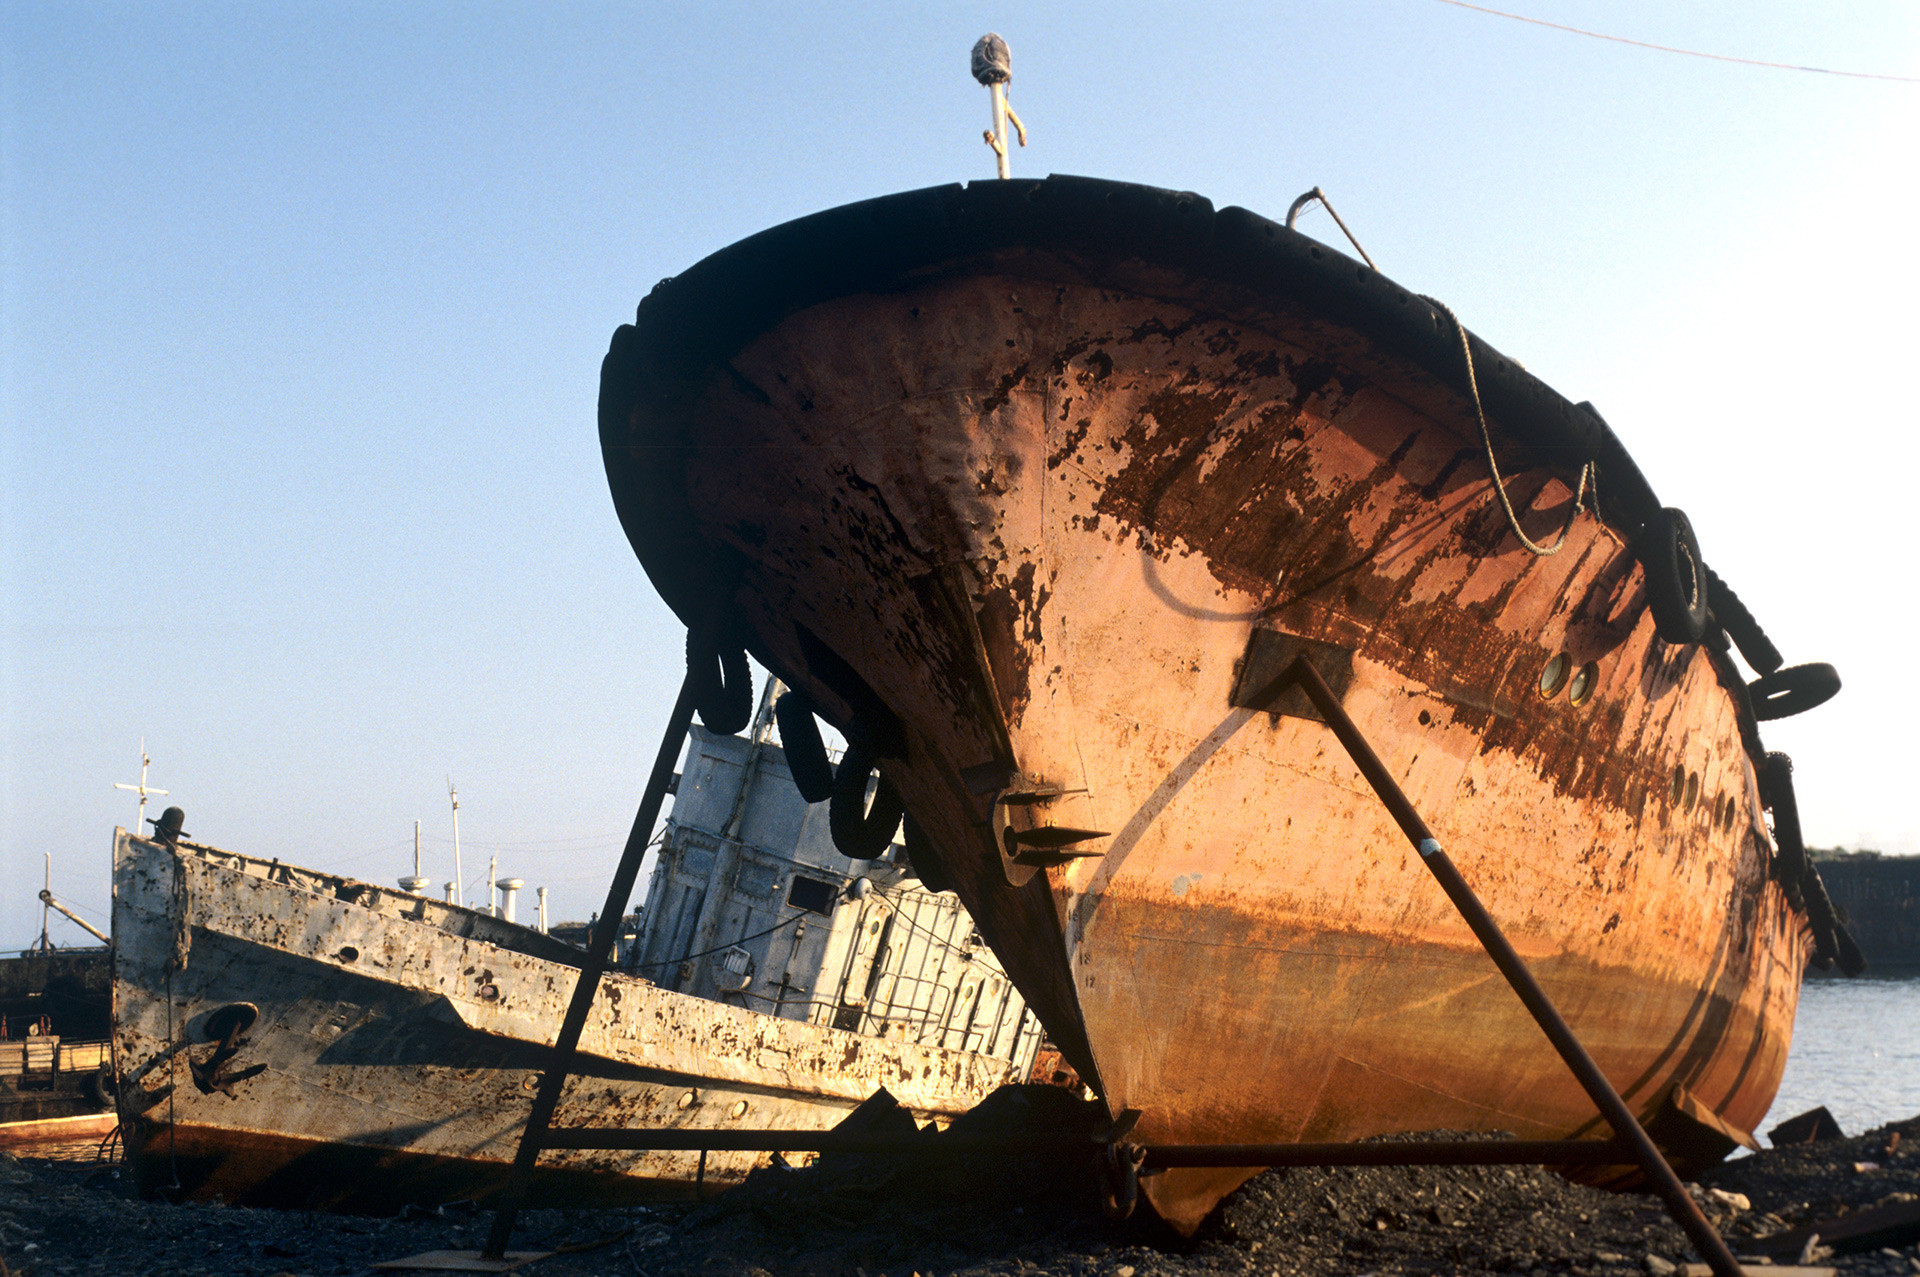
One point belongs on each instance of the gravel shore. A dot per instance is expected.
(985, 1219)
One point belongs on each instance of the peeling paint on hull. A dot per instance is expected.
(397, 1042)
(1122, 473)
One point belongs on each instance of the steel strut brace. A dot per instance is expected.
(605, 932)
(1626, 1128)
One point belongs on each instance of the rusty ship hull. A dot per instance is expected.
(1023, 484)
(289, 1038)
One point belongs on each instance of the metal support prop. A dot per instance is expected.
(605, 932)
(710, 1140)
(1482, 1152)
(1395, 1153)
(1626, 1128)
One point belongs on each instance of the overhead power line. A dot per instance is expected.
(1668, 48)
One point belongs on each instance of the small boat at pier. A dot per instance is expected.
(56, 1081)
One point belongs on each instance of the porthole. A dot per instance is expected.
(1679, 785)
(1726, 821)
(1585, 679)
(1719, 810)
(1554, 677)
(1693, 790)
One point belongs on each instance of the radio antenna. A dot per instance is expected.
(459, 883)
(417, 881)
(140, 821)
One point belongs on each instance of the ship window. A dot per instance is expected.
(811, 894)
(1554, 677)
(1679, 784)
(1583, 684)
(1693, 790)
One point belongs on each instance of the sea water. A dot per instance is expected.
(1856, 1049)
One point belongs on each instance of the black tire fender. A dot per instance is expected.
(1832, 944)
(99, 1086)
(1755, 647)
(1793, 690)
(860, 833)
(722, 684)
(1676, 576)
(1776, 791)
(806, 752)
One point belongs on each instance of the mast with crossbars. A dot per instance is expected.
(140, 820)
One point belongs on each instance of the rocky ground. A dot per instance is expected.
(987, 1219)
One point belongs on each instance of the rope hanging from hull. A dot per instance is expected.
(1493, 465)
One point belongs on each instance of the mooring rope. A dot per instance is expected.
(1493, 466)
(173, 1123)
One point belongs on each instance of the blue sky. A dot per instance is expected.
(302, 308)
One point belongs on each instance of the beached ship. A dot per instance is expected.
(293, 1038)
(1026, 487)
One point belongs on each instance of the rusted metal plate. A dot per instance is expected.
(1893, 1224)
(1271, 651)
(1132, 471)
(401, 1056)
